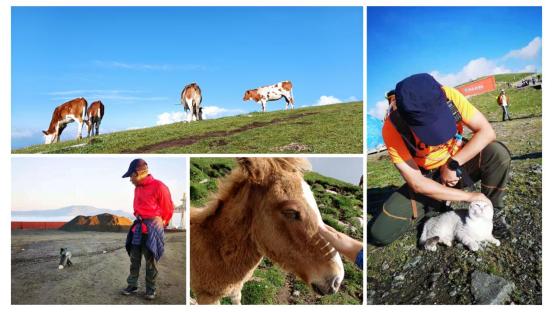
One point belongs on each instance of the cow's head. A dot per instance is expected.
(49, 137)
(248, 95)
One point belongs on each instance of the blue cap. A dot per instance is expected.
(135, 165)
(422, 103)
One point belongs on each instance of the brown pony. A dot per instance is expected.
(263, 208)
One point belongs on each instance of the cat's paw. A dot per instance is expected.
(473, 246)
(447, 243)
(431, 247)
(496, 242)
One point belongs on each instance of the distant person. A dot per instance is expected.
(424, 138)
(504, 101)
(352, 249)
(153, 209)
(390, 96)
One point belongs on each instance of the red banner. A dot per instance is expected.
(481, 86)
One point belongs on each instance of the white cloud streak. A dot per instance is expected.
(329, 99)
(150, 67)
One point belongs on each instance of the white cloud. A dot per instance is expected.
(106, 95)
(209, 112)
(149, 67)
(329, 99)
(379, 110)
(530, 51)
(472, 70)
(169, 118)
(212, 112)
(483, 67)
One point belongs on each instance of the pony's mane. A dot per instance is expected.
(261, 171)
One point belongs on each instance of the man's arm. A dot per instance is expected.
(483, 134)
(428, 187)
(165, 204)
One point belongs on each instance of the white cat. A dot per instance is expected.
(471, 227)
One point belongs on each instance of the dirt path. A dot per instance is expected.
(213, 134)
(100, 269)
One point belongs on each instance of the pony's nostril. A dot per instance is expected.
(336, 283)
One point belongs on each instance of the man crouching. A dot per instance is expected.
(153, 209)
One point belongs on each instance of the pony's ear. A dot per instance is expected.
(252, 168)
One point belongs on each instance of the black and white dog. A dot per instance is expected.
(65, 258)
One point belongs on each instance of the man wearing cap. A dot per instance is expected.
(153, 209)
(424, 138)
(504, 101)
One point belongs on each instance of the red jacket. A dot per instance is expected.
(153, 199)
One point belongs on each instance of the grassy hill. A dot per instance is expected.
(324, 129)
(269, 284)
(401, 273)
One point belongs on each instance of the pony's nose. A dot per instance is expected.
(335, 284)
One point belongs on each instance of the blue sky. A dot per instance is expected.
(137, 59)
(66, 181)
(348, 169)
(454, 44)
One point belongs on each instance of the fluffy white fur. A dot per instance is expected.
(471, 227)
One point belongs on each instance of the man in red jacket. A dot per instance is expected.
(153, 209)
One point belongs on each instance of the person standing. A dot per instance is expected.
(504, 101)
(153, 209)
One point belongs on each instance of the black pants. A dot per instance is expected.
(137, 251)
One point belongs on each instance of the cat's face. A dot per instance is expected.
(480, 209)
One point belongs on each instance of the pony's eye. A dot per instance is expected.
(291, 214)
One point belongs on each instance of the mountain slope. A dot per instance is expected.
(334, 128)
(67, 213)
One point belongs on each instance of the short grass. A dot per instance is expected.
(270, 285)
(324, 129)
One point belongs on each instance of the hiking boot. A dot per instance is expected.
(129, 290)
(150, 294)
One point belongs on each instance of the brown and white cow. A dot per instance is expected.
(68, 112)
(191, 99)
(274, 92)
(94, 116)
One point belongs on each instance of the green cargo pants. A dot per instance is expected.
(490, 167)
(137, 251)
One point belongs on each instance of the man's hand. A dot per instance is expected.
(480, 197)
(159, 222)
(344, 244)
(448, 176)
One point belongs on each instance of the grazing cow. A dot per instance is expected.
(94, 116)
(274, 92)
(74, 110)
(191, 99)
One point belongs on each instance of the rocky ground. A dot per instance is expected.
(99, 271)
(402, 273)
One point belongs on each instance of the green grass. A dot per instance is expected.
(270, 285)
(323, 129)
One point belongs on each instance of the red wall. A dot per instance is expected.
(22, 225)
(478, 87)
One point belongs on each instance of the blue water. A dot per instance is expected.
(374, 133)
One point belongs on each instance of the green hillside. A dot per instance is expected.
(323, 129)
(401, 273)
(270, 285)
